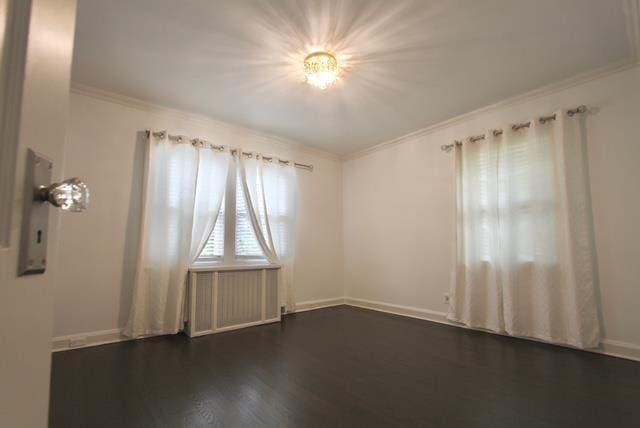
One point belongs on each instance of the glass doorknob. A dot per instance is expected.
(70, 195)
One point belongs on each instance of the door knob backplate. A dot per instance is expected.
(35, 217)
(69, 195)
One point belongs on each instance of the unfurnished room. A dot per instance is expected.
(319, 213)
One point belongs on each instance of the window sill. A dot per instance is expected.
(208, 267)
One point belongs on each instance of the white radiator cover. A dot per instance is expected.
(222, 300)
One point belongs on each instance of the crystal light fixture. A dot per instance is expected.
(321, 69)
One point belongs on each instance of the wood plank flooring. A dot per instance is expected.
(342, 367)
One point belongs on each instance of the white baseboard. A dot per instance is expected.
(84, 340)
(407, 311)
(103, 337)
(616, 348)
(310, 305)
(613, 348)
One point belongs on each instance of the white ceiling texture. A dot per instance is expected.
(409, 64)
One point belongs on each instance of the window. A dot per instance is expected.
(482, 207)
(510, 198)
(214, 248)
(247, 245)
(233, 239)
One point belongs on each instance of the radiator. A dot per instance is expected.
(225, 300)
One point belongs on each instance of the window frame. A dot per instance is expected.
(229, 257)
(486, 210)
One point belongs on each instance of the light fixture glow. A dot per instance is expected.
(321, 69)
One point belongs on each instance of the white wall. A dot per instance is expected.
(98, 247)
(398, 204)
(394, 203)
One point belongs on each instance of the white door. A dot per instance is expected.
(44, 40)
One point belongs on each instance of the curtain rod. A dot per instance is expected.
(196, 142)
(496, 132)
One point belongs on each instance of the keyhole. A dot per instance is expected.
(39, 238)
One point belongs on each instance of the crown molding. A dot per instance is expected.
(126, 101)
(581, 79)
(578, 80)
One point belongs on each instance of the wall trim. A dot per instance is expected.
(632, 12)
(616, 348)
(613, 348)
(92, 338)
(153, 108)
(543, 91)
(311, 305)
(407, 311)
(104, 337)
(610, 347)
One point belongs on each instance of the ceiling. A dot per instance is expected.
(409, 64)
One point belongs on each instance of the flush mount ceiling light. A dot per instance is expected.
(321, 69)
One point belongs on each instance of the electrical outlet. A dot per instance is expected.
(446, 298)
(77, 341)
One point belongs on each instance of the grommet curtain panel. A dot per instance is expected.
(184, 186)
(524, 250)
(271, 189)
(210, 187)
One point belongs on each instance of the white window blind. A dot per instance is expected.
(247, 245)
(214, 249)
(509, 181)
(484, 208)
(515, 181)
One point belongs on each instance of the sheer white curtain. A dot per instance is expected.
(524, 245)
(272, 188)
(252, 187)
(183, 190)
(280, 186)
(210, 188)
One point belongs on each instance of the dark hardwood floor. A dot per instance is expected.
(342, 367)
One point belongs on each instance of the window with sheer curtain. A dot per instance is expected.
(202, 208)
(257, 220)
(519, 173)
(246, 246)
(214, 248)
(524, 257)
